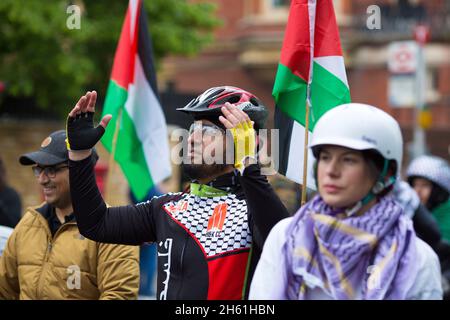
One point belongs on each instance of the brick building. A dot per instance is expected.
(247, 47)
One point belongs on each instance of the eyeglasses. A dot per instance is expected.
(48, 171)
(210, 130)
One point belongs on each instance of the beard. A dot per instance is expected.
(203, 171)
(204, 164)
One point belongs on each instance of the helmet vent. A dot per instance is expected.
(234, 99)
(254, 101)
(216, 92)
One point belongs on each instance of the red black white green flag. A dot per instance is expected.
(142, 148)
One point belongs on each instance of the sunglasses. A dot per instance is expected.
(48, 171)
(210, 130)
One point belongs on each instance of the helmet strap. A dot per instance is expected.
(377, 188)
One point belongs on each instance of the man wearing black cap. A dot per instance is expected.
(47, 258)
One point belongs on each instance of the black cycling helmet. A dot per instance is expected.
(208, 104)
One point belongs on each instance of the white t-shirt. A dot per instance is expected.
(5, 232)
(270, 278)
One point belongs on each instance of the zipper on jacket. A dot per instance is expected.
(44, 269)
(51, 241)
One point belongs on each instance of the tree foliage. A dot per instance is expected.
(41, 57)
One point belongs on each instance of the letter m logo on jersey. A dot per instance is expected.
(217, 220)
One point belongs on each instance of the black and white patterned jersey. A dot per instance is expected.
(219, 224)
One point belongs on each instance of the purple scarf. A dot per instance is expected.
(371, 256)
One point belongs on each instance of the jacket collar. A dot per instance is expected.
(47, 211)
(220, 186)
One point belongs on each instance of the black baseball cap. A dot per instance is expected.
(53, 151)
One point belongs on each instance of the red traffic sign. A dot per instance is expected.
(402, 57)
(422, 34)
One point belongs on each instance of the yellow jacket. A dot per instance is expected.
(36, 265)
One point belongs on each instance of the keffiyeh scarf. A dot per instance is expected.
(371, 256)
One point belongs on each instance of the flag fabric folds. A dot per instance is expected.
(311, 54)
(142, 148)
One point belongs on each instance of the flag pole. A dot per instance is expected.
(312, 26)
(111, 162)
(305, 154)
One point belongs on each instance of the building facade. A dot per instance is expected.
(247, 47)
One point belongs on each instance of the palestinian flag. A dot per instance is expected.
(142, 148)
(311, 57)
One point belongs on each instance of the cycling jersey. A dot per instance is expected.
(209, 239)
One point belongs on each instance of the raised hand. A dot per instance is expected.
(241, 127)
(80, 129)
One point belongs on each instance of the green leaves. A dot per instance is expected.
(40, 56)
(180, 28)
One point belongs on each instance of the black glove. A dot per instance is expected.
(81, 133)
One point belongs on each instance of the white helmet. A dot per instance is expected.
(433, 168)
(360, 127)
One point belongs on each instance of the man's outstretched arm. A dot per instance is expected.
(124, 225)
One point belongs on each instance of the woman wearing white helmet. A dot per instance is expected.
(430, 177)
(351, 241)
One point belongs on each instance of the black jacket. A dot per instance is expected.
(10, 207)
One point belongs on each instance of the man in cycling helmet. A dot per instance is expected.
(209, 238)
